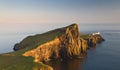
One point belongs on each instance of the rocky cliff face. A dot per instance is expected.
(62, 43)
(65, 45)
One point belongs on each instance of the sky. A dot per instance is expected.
(59, 11)
(27, 17)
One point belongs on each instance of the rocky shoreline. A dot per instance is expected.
(93, 40)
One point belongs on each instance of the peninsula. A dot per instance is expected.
(62, 43)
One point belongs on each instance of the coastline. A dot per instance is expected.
(85, 41)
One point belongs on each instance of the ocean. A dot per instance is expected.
(106, 56)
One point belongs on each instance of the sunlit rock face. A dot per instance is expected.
(66, 45)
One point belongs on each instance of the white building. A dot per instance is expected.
(96, 33)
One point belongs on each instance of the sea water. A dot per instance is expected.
(106, 56)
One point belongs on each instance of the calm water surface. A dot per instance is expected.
(106, 56)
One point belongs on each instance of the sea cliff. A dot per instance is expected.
(66, 43)
(62, 43)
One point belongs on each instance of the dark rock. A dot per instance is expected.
(93, 40)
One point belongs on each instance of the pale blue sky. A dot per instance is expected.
(59, 11)
(20, 18)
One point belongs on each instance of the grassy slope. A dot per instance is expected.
(15, 60)
(32, 42)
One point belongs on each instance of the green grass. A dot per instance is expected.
(12, 61)
(85, 36)
(15, 60)
(32, 42)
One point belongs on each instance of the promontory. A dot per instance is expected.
(58, 44)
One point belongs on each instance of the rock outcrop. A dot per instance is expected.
(93, 40)
(62, 43)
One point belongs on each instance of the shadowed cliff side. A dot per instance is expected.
(92, 40)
